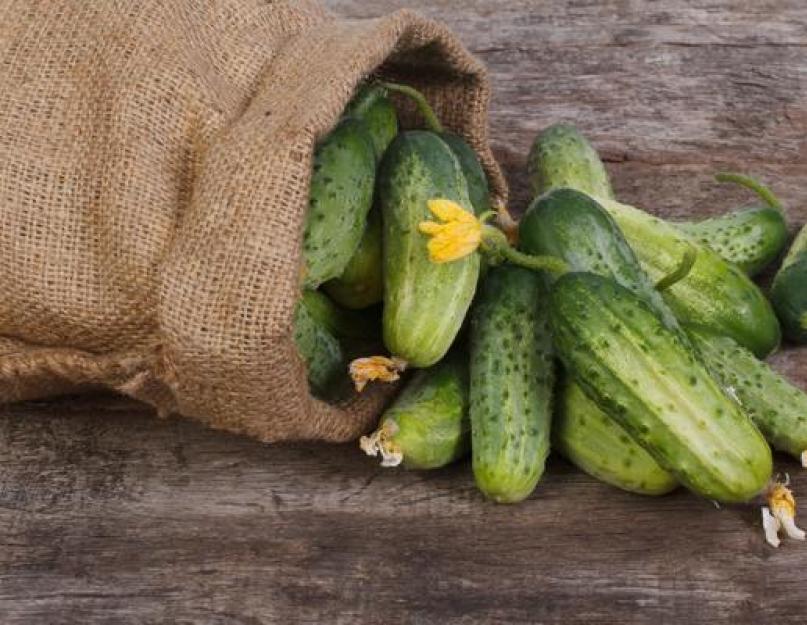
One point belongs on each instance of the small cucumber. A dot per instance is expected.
(372, 106)
(340, 197)
(598, 445)
(363, 325)
(320, 350)
(777, 407)
(424, 302)
(427, 426)
(561, 156)
(478, 189)
(361, 283)
(512, 375)
(751, 238)
(789, 290)
(647, 379)
(715, 294)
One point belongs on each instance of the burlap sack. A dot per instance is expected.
(154, 167)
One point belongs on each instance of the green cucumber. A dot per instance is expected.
(424, 302)
(340, 197)
(647, 379)
(789, 290)
(598, 445)
(512, 375)
(427, 425)
(477, 181)
(372, 106)
(751, 238)
(320, 350)
(715, 294)
(561, 156)
(364, 325)
(777, 407)
(361, 283)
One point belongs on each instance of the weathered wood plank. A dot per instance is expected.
(108, 515)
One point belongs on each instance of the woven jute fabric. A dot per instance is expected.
(155, 158)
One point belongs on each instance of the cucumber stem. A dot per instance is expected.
(495, 244)
(681, 271)
(423, 105)
(754, 185)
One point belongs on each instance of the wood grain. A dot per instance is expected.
(109, 515)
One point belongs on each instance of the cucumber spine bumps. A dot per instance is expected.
(424, 302)
(319, 349)
(650, 382)
(597, 444)
(512, 375)
(789, 290)
(715, 294)
(340, 197)
(427, 425)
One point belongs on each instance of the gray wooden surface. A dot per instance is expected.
(108, 515)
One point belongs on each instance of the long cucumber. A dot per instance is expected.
(789, 290)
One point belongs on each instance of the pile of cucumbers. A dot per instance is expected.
(640, 362)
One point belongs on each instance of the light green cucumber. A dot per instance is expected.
(647, 379)
(598, 445)
(715, 294)
(321, 352)
(361, 283)
(427, 425)
(424, 302)
(340, 197)
(512, 375)
(478, 189)
(777, 407)
(372, 106)
(789, 290)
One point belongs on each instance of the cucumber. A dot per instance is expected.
(648, 380)
(427, 425)
(340, 197)
(320, 350)
(715, 295)
(598, 445)
(475, 178)
(372, 106)
(361, 283)
(751, 238)
(512, 375)
(424, 302)
(561, 156)
(789, 290)
(777, 407)
(363, 325)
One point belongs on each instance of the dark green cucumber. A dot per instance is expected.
(478, 189)
(361, 283)
(751, 238)
(427, 426)
(340, 196)
(598, 445)
(512, 376)
(363, 325)
(372, 106)
(320, 350)
(777, 407)
(562, 157)
(424, 302)
(789, 290)
(647, 379)
(715, 294)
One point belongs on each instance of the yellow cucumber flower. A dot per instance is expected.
(459, 234)
(780, 514)
(363, 370)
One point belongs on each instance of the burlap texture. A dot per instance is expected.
(154, 168)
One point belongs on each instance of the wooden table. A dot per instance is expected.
(108, 515)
